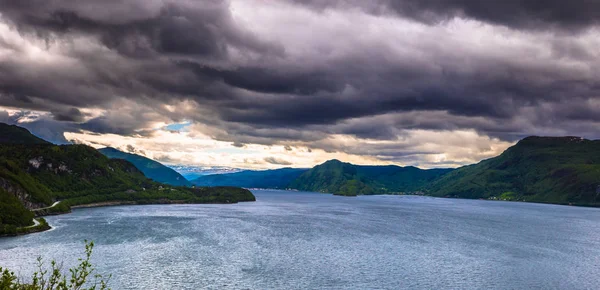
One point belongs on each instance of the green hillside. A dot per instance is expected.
(38, 174)
(151, 169)
(12, 212)
(276, 178)
(78, 174)
(49, 172)
(538, 169)
(11, 134)
(348, 179)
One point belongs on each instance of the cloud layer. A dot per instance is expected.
(385, 81)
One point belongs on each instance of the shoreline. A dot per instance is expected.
(103, 204)
(37, 229)
(486, 199)
(45, 226)
(39, 225)
(443, 197)
(161, 202)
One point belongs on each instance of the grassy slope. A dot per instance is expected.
(347, 179)
(12, 212)
(540, 169)
(151, 169)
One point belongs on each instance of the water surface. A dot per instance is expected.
(299, 240)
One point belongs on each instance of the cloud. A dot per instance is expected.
(130, 148)
(550, 14)
(369, 79)
(4, 116)
(70, 115)
(277, 161)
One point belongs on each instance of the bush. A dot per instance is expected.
(78, 277)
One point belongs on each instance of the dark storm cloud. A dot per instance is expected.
(129, 124)
(273, 81)
(250, 87)
(497, 94)
(176, 29)
(531, 14)
(139, 27)
(70, 115)
(104, 125)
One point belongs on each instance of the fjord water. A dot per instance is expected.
(298, 240)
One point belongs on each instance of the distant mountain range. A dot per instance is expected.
(342, 178)
(332, 176)
(151, 169)
(191, 172)
(276, 178)
(563, 170)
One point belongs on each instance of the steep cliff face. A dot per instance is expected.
(20, 193)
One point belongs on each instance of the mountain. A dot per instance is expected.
(191, 172)
(37, 174)
(342, 178)
(539, 169)
(11, 134)
(276, 178)
(332, 176)
(151, 169)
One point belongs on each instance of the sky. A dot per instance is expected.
(266, 84)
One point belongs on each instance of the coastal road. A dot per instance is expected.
(43, 208)
(35, 222)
